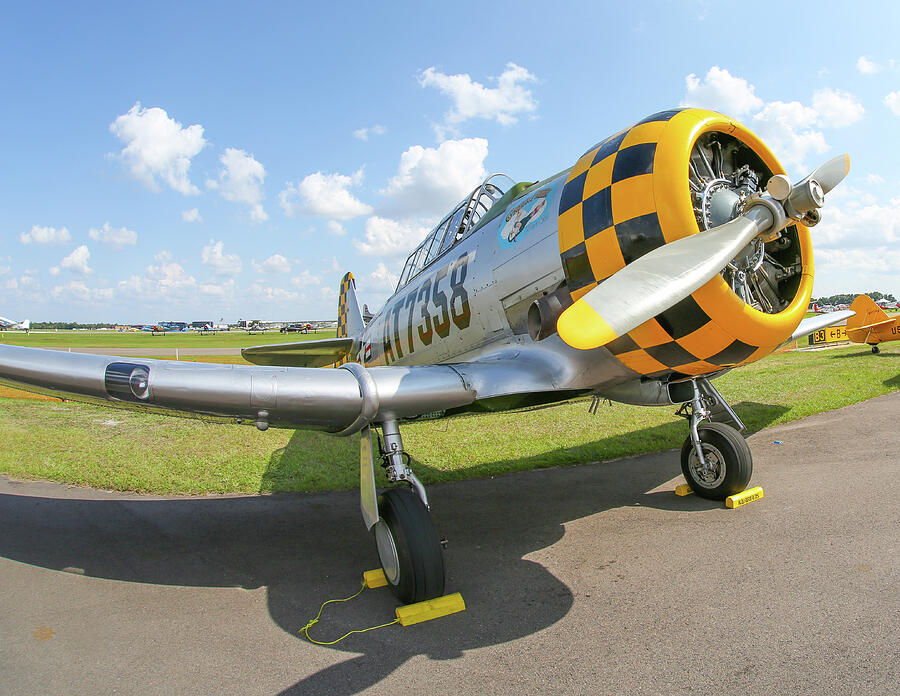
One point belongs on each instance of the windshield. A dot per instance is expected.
(455, 226)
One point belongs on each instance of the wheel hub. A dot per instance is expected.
(712, 473)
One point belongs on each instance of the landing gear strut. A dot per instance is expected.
(715, 457)
(407, 542)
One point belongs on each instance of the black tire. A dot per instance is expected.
(876, 349)
(730, 455)
(409, 547)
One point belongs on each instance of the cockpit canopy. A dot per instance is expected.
(462, 220)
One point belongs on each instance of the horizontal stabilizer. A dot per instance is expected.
(813, 324)
(302, 353)
(886, 322)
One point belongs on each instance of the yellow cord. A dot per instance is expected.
(305, 629)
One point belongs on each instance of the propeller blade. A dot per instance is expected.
(831, 173)
(656, 281)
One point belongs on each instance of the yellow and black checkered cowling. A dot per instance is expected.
(346, 282)
(628, 195)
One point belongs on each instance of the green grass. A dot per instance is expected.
(114, 339)
(76, 443)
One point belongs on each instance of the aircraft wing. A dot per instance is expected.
(813, 324)
(301, 353)
(342, 400)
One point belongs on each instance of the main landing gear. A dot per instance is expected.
(715, 457)
(876, 349)
(407, 542)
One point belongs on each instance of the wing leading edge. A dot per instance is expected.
(342, 400)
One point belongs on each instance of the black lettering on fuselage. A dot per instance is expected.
(437, 313)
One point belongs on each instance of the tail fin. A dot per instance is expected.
(350, 321)
(868, 323)
(868, 314)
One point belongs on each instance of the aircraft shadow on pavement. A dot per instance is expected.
(306, 548)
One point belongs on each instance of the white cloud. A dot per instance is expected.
(79, 292)
(240, 180)
(857, 244)
(166, 278)
(789, 131)
(855, 219)
(169, 274)
(12, 284)
(306, 279)
(382, 279)
(76, 262)
(218, 289)
(274, 264)
(866, 66)
(158, 147)
(836, 108)
(45, 235)
(892, 101)
(430, 180)
(363, 133)
(858, 267)
(386, 237)
(324, 195)
(270, 294)
(336, 228)
(874, 179)
(116, 237)
(221, 263)
(192, 215)
(722, 92)
(502, 103)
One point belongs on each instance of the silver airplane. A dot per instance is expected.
(671, 252)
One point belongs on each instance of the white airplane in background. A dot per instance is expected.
(10, 324)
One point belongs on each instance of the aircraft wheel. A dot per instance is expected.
(409, 547)
(728, 458)
(875, 349)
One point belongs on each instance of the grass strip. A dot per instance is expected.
(141, 339)
(106, 448)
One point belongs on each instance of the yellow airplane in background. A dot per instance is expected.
(870, 324)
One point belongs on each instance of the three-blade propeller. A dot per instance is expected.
(665, 276)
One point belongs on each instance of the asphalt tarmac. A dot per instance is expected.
(584, 580)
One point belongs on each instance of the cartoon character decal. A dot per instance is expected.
(525, 216)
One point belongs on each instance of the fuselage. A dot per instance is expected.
(471, 302)
(671, 175)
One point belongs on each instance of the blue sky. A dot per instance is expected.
(221, 160)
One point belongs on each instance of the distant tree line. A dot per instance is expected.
(848, 298)
(68, 325)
